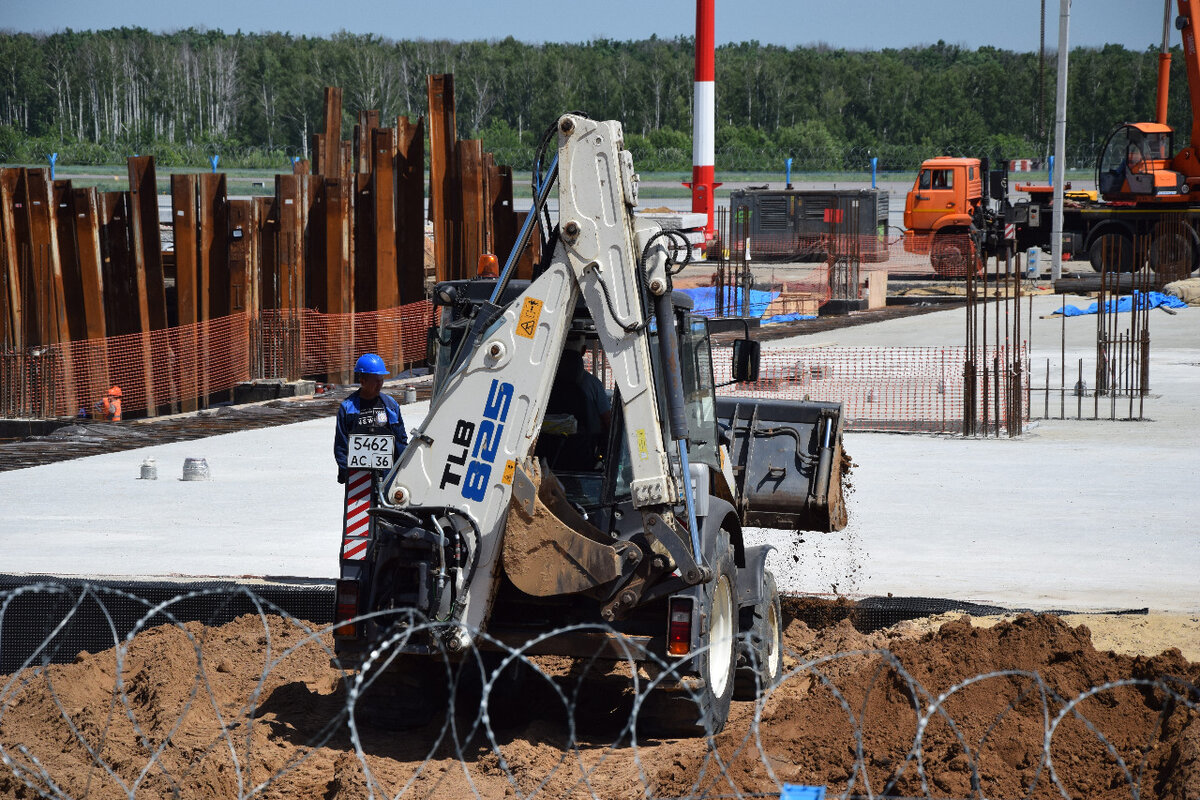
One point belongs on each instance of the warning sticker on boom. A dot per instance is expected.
(531, 311)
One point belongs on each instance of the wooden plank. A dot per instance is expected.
(11, 318)
(339, 285)
(287, 293)
(346, 165)
(315, 257)
(48, 283)
(241, 252)
(213, 275)
(368, 123)
(331, 154)
(285, 289)
(410, 209)
(147, 243)
(384, 272)
(120, 291)
(85, 211)
(68, 256)
(266, 237)
(212, 269)
(444, 191)
(505, 226)
(365, 245)
(49, 300)
(383, 217)
(122, 309)
(318, 150)
(85, 216)
(336, 279)
(473, 232)
(349, 184)
(25, 281)
(185, 225)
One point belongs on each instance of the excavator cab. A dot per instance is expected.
(1135, 165)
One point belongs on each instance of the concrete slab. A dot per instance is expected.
(272, 508)
(1078, 515)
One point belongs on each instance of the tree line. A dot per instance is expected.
(97, 96)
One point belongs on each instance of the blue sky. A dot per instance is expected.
(863, 25)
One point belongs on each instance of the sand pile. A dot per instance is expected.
(216, 712)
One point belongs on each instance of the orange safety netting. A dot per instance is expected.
(311, 344)
(182, 368)
(891, 388)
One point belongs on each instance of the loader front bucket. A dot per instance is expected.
(788, 462)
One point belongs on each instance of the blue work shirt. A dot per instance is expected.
(354, 416)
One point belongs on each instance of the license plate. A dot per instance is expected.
(370, 452)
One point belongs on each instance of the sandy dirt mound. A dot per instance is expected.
(219, 712)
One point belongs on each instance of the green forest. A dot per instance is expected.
(95, 97)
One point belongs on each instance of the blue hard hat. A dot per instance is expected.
(370, 364)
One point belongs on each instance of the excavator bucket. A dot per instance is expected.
(788, 462)
(549, 549)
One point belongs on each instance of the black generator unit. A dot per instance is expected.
(808, 224)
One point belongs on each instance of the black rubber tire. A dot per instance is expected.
(704, 709)
(760, 644)
(1115, 249)
(404, 696)
(1173, 253)
(952, 254)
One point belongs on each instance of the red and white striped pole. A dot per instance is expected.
(704, 118)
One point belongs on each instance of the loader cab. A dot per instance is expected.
(1135, 164)
(606, 485)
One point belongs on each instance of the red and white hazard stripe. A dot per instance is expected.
(704, 115)
(356, 525)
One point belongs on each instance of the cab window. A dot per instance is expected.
(943, 179)
(699, 393)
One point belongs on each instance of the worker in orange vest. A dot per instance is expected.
(110, 406)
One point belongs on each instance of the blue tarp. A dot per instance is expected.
(1146, 300)
(705, 300)
(787, 318)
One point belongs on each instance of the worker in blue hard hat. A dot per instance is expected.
(370, 432)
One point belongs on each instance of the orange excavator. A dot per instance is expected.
(1138, 163)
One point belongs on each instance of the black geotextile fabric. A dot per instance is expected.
(43, 619)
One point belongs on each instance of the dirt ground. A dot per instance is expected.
(254, 707)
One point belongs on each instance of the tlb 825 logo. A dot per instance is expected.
(481, 441)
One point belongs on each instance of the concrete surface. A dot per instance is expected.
(1079, 515)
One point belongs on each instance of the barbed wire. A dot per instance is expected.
(53, 746)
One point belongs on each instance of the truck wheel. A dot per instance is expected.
(760, 649)
(700, 707)
(1111, 251)
(1173, 253)
(952, 254)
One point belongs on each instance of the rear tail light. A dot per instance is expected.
(679, 626)
(347, 608)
